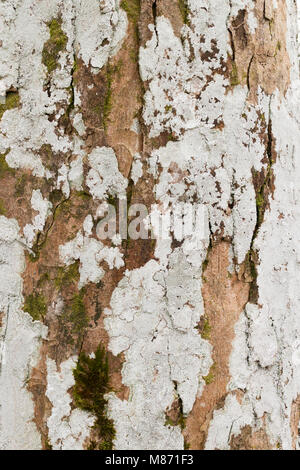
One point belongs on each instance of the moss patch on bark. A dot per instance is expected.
(36, 306)
(12, 101)
(91, 384)
(55, 44)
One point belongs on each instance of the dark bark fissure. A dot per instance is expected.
(248, 73)
(262, 201)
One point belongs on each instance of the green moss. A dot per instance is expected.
(77, 315)
(63, 208)
(83, 195)
(2, 208)
(5, 169)
(259, 200)
(169, 422)
(250, 265)
(91, 384)
(262, 117)
(35, 305)
(234, 76)
(34, 256)
(71, 103)
(206, 330)
(108, 97)
(43, 279)
(134, 55)
(12, 101)
(253, 269)
(181, 421)
(75, 70)
(111, 72)
(171, 138)
(278, 47)
(55, 197)
(55, 44)
(117, 68)
(112, 201)
(186, 445)
(73, 320)
(260, 206)
(132, 8)
(20, 185)
(96, 109)
(67, 275)
(184, 10)
(244, 76)
(211, 376)
(47, 445)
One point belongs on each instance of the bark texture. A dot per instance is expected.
(162, 103)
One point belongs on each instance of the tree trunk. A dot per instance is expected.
(143, 115)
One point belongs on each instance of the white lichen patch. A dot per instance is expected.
(153, 318)
(78, 124)
(178, 76)
(70, 176)
(248, 5)
(188, 97)
(100, 39)
(20, 341)
(25, 129)
(137, 168)
(91, 253)
(75, 175)
(43, 207)
(104, 177)
(207, 167)
(135, 127)
(68, 429)
(263, 361)
(227, 423)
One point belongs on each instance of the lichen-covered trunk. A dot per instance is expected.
(123, 124)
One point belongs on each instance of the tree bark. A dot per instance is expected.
(149, 108)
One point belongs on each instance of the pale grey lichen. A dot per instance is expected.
(20, 341)
(68, 429)
(90, 253)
